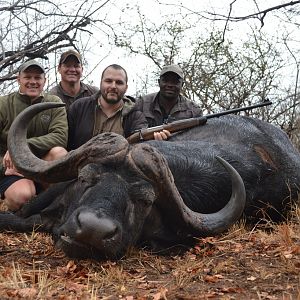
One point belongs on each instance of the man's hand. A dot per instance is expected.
(162, 135)
(8, 164)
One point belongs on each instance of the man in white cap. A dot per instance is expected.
(47, 133)
(168, 104)
(71, 87)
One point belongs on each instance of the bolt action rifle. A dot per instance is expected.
(179, 125)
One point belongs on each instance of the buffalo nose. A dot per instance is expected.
(92, 228)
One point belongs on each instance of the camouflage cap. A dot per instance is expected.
(68, 53)
(31, 63)
(172, 68)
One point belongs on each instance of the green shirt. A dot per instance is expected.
(46, 130)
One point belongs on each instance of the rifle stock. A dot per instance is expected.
(148, 133)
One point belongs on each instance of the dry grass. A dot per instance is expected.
(244, 263)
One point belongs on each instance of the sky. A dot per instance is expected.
(102, 55)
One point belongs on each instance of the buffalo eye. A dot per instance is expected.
(90, 174)
(142, 194)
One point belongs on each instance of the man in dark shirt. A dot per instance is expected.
(107, 111)
(168, 104)
(71, 87)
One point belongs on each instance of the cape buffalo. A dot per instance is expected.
(110, 195)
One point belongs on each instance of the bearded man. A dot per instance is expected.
(107, 111)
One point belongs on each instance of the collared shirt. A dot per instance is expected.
(85, 91)
(183, 109)
(103, 123)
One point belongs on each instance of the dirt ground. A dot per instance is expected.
(244, 263)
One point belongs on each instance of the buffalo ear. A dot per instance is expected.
(150, 164)
(153, 167)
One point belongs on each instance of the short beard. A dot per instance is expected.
(112, 101)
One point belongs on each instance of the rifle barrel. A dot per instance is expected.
(234, 110)
(148, 133)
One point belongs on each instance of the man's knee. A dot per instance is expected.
(55, 153)
(19, 193)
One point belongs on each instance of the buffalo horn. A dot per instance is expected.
(153, 166)
(103, 148)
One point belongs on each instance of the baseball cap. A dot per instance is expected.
(30, 63)
(172, 68)
(68, 53)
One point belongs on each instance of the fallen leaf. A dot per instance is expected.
(288, 255)
(213, 278)
(71, 266)
(251, 278)
(123, 288)
(161, 295)
(27, 293)
(75, 287)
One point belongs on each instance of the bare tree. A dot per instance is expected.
(259, 15)
(220, 73)
(34, 29)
